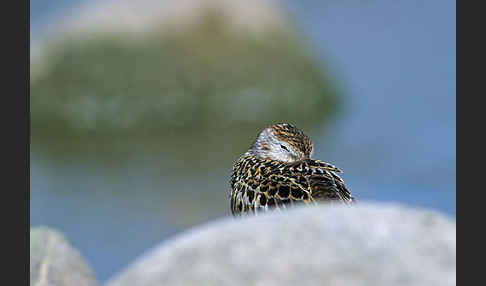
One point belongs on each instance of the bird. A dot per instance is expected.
(278, 172)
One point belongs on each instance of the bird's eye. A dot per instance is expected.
(285, 148)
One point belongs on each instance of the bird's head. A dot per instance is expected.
(282, 142)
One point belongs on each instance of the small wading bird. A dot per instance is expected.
(278, 172)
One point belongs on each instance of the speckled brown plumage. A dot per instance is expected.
(262, 179)
(294, 136)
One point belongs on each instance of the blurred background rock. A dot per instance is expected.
(192, 79)
(138, 109)
(53, 261)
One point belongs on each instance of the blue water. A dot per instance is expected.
(395, 140)
(397, 62)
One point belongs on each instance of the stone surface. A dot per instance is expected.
(54, 262)
(145, 16)
(207, 72)
(370, 244)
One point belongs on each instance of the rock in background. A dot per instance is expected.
(364, 245)
(191, 79)
(54, 262)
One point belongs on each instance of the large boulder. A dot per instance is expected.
(363, 245)
(163, 76)
(54, 262)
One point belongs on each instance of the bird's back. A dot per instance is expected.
(262, 184)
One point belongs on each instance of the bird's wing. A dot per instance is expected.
(259, 184)
(318, 178)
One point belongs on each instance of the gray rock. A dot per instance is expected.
(53, 261)
(369, 244)
(175, 85)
